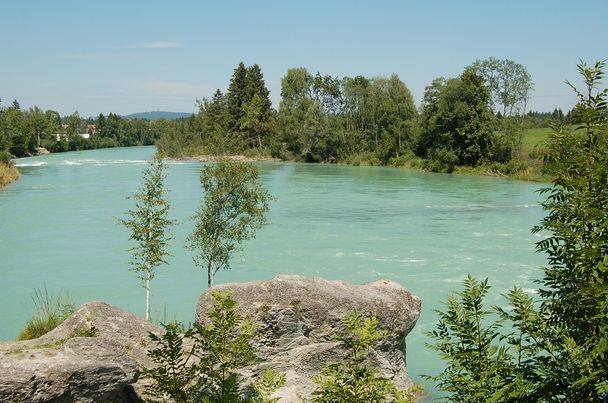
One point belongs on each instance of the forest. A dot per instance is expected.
(477, 119)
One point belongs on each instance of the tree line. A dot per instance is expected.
(475, 118)
(23, 131)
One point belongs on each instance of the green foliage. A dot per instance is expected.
(270, 381)
(508, 168)
(233, 208)
(50, 312)
(476, 366)
(5, 157)
(575, 286)
(224, 347)
(149, 226)
(509, 82)
(456, 115)
(555, 349)
(441, 160)
(201, 363)
(175, 375)
(354, 380)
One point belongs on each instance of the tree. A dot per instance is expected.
(554, 349)
(149, 226)
(237, 95)
(456, 115)
(509, 82)
(256, 122)
(233, 208)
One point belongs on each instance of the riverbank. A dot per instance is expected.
(235, 158)
(515, 169)
(8, 174)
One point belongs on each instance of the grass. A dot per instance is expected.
(50, 312)
(8, 173)
(534, 138)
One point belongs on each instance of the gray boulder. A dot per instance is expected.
(62, 366)
(298, 317)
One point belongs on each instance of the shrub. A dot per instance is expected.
(441, 160)
(201, 363)
(50, 312)
(354, 380)
(5, 157)
(508, 168)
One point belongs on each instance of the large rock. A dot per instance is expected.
(298, 317)
(63, 367)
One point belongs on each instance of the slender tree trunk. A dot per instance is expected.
(148, 276)
(148, 297)
(209, 276)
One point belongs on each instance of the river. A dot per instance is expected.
(426, 231)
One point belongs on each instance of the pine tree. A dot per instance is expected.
(237, 95)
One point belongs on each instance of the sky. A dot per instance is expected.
(134, 56)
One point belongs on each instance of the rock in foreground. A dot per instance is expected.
(63, 367)
(298, 317)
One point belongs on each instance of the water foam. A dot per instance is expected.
(30, 164)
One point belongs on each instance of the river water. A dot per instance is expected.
(426, 231)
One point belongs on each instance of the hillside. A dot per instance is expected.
(157, 115)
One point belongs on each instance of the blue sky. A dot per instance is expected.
(132, 56)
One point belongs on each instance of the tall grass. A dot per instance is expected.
(8, 173)
(50, 312)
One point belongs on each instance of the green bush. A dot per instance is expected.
(354, 380)
(5, 157)
(407, 160)
(50, 312)
(363, 159)
(508, 168)
(207, 369)
(441, 160)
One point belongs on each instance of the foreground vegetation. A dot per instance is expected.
(49, 312)
(201, 363)
(554, 348)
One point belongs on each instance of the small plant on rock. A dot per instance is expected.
(201, 363)
(354, 380)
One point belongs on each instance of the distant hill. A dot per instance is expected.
(157, 115)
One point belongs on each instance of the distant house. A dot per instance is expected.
(64, 136)
(92, 129)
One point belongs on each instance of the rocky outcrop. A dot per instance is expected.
(298, 317)
(63, 366)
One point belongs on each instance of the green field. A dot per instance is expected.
(535, 138)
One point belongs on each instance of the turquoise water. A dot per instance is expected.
(426, 231)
